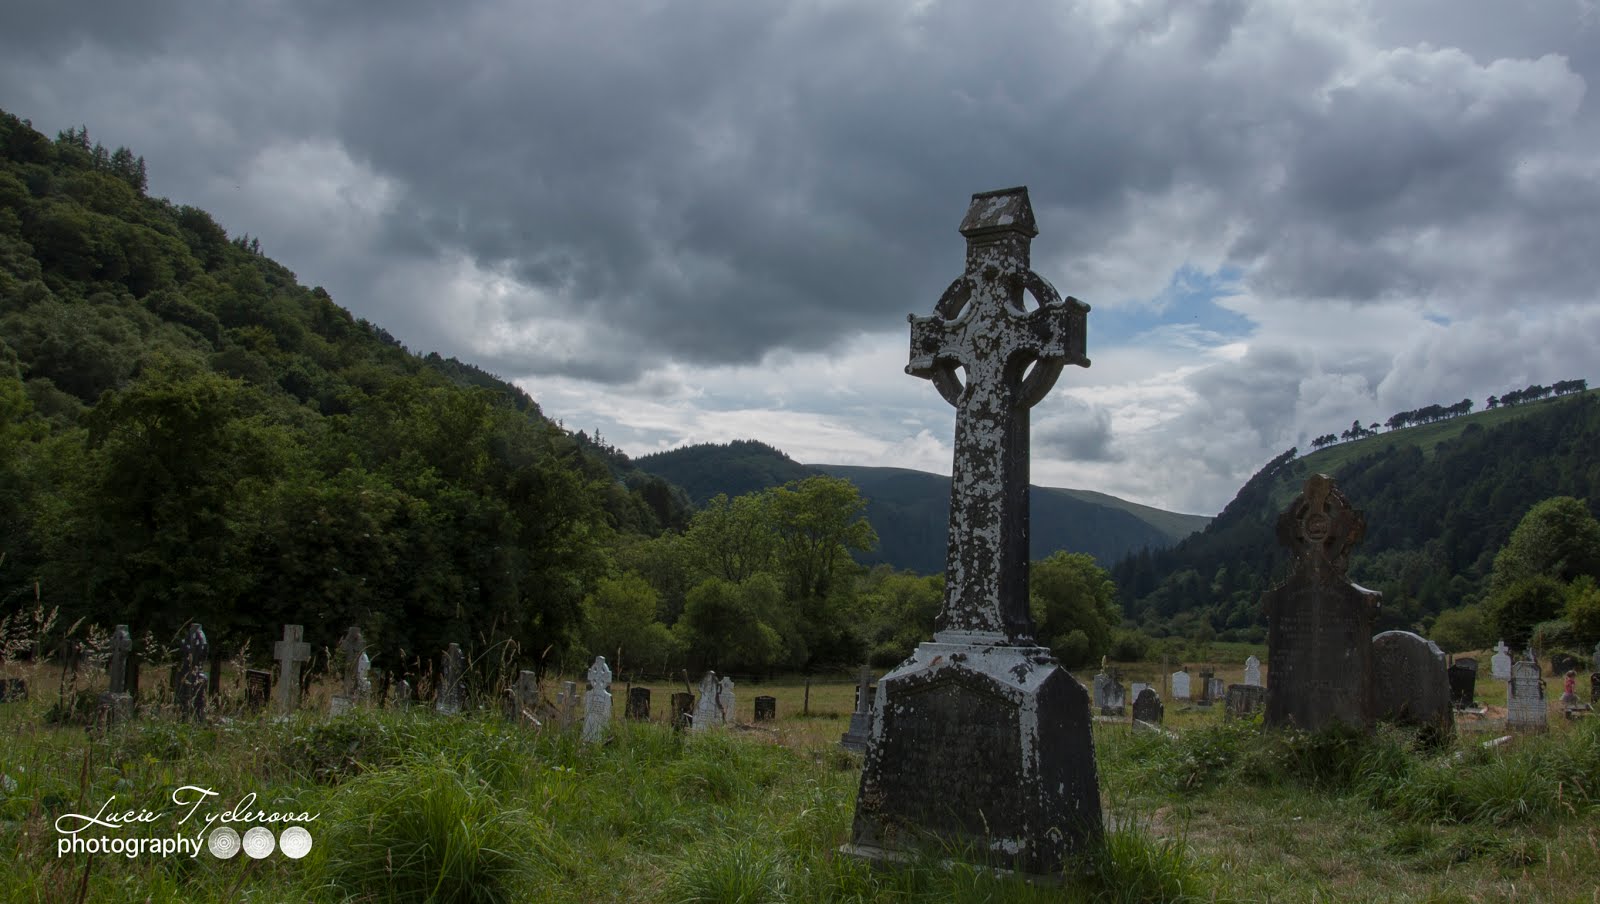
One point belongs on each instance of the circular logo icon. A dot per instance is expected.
(295, 842)
(223, 843)
(258, 842)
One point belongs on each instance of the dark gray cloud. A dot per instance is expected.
(1076, 431)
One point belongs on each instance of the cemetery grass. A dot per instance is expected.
(415, 807)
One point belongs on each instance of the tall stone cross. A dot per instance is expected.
(351, 647)
(1011, 357)
(290, 652)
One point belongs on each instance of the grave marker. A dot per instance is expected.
(597, 701)
(116, 704)
(1500, 662)
(1319, 624)
(1243, 699)
(981, 737)
(448, 698)
(1463, 674)
(290, 652)
(525, 699)
(1525, 705)
(192, 677)
(257, 689)
(682, 711)
(1147, 706)
(351, 648)
(1180, 685)
(638, 708)
(859, 734)
(1252, 672)
(766, 709)
(707, 713)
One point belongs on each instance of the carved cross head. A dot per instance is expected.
(1321, 528)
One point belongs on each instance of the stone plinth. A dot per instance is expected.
(981, 746)
(638, 709)
(1244, 699)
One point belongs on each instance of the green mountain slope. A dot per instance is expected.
(910, 509)
(1440, 500)
(187, 432)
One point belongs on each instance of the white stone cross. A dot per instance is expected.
(597, 701)
(290, 652)
(1500, 662)
(1252, 672)
(1011, 357)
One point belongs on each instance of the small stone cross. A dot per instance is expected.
(290, 652)
(863, 682)
(1012, 357)
(121, 645)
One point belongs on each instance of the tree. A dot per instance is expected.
(818, 521)
(733, 538)
(1583, 610)
(1070, 593)
(620, 623)
(1516, 608)
(1462, 630)
(1558, 538)
(721, 629)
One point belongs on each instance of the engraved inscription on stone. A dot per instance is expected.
(947, 735)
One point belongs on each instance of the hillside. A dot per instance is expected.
(187, 432)
(910, 509)
(1440, 500)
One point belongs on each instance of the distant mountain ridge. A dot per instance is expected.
(911, 509)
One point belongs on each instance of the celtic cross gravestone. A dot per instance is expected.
(116, 703)
(1319, 623)
(980, 738)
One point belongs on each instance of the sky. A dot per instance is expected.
(706, 220)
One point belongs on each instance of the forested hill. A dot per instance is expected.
(1440, 501)
(186, 432)
(911, 509)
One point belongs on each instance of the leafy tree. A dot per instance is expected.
(1071, 593)
(1558, 538)
(733, 538)
(1514, 609)
(1583, 611)
(1462, 630)
(818, 521)
(620, 623)
(721, 629)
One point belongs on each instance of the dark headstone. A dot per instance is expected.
(1562, 663)
(13, 690)
(981, 737)
(257, 689)
(1410, 683)
(1319, 624)
(1463, 674)
(403, 696)
(682, 710)
(1594, 687)
(1147, 707)
(766, 709)
(638, 708)
(192, 679)
(1244, 699)
(290, 652)
(116, 704)
(1208, 687)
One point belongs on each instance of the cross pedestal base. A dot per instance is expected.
(980, 748)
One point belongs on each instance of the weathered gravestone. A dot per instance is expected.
(351, 649)
(192, 677)
(290, 652)
(1319, 624)
(682, 710)
(1500, 662)
(1135, 688)
(257, 689)
(524, 699)
(638, 708)
(1180, 685)
(1252, 672)
(1525, 706)
(1410, 681)
(707, 713)
(1218, 689)
(1109, 697)
(725, 701)
(860, 731)
(1243, 699)
(1208, 684)
(13, 690)
(1147, 707)
(980, 737)
(1594, 687)
(447, 699)
(1463, 682)
(402, 694)
(766, 708)
(116, 704)
(597, 701)
(567, 701)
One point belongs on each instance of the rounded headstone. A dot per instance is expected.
(1410, 682)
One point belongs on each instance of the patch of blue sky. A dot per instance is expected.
(1187, 307)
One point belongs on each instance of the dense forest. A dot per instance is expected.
(1435, 522)
(186, 433)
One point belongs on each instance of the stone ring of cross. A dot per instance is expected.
(1038, 375)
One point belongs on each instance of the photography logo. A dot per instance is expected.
(196, 824)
